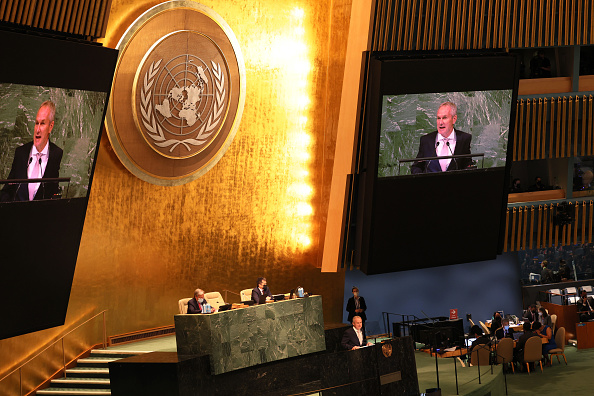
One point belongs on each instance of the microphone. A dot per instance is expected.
(456, 162)
(20, 184)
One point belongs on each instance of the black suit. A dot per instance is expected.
(427, 148)
(194, 307)
(351, 309)
(20, 163)
(350, 339)
(260, 297)
(585, 306)
(500, 333)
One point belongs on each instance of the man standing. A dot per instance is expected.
(354, 338)
(35, 160)
(446, 141)
(261, 292)
(356, 306)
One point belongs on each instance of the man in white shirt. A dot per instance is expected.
(37, 159)
(446, 141)
(354, 338)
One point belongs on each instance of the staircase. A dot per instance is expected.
(90, 376)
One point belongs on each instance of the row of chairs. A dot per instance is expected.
(215, 299)
(569, 295)
(480, 355)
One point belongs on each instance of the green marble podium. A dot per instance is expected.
(245, 337)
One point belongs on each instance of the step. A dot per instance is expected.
(88, 372)
(95, 362)
(80, 382)
(73, 392)
(116, 354)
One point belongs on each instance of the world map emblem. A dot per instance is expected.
(180, 99)
(178, 93)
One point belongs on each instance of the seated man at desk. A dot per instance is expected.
(504, 331)
(261, 292)
(196, 304)
(585, 306)
(519, 348)
(353, 337)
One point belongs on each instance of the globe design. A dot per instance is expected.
(182, 97)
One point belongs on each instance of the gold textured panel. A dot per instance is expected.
(259, 212)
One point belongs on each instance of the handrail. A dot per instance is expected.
(61, 339)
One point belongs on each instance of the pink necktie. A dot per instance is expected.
(36, 174)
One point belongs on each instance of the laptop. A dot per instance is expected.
(469, 342)
(224, 307)
(278, 297)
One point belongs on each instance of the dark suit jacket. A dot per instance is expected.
(350, 339)
(427, 149)
(194, 307)
(256, 295)
(20, 192)
(499, 333)
(351, 309)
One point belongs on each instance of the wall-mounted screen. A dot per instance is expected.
(54, 96)
(433, 159)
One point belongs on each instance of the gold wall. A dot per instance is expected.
(259, 212)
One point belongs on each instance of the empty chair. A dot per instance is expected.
(571, 295)
(485, 328)
(480, 355)
(505, 352)
(553, 323)
(555, 296)
(215, 299)
(246, 295)
(183, 305)
(560, 350)
(533, 352)
(471, 322)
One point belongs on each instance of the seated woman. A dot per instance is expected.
(545, 332)
(544, 317)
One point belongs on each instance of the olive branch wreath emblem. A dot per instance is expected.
(154, 128)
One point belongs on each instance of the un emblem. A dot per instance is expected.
(180, 99)
(178, 93)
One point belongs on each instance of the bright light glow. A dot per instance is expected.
(303, 240)
(298, 13)
(301, 190)
(304, 209)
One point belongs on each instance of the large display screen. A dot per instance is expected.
(54, 96)
(433, 159)
(484, 115)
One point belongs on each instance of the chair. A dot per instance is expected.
(533, 352)
(485, 328)
(183, 305)
(215, 299)
(534, 278)
(480, 355)
(246, 295)
(553, 322)
(471, 322)
(505, 352)
(555, 296)
(560, 341)
(588, 289)
(571, 295)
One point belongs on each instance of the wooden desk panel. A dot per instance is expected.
(566, 317)
(585, 335)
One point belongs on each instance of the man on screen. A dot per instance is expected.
(35, 160)
(446, 141)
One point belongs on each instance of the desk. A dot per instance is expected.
(245, 337)
(566, 317)
(585, 335)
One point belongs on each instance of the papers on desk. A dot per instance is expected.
(452, 349)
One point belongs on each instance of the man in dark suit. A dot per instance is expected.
(356, 306)
(35, 160)
(443, 142)
(585, 307)
(261, 292)
(353, 337)
(196, 304)
(521, 343)
(504, 331)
